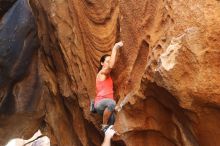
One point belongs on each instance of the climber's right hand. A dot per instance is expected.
(119, 44)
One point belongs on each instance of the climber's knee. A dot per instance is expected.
(111, 105)
(106, 103)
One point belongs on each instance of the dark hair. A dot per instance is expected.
(102, 59)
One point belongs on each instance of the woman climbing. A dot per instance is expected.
(104, 101)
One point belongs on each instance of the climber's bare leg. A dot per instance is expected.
(106, 116)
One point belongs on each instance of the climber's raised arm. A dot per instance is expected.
(111, 60)
(114, 52)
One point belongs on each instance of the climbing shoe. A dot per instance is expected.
(104, 127)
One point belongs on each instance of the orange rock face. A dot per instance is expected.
(169, 63)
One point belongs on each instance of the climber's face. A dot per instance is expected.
(106, 62)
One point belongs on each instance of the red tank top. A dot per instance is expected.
(104, 89)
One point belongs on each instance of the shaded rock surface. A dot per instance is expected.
(19, 80)
(5, 5)
(169, 62)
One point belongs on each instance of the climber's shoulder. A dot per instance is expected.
(105, 70)
(102, 75)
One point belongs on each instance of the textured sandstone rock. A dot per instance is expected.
(169, 62)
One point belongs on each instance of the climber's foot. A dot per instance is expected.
(104, 127)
